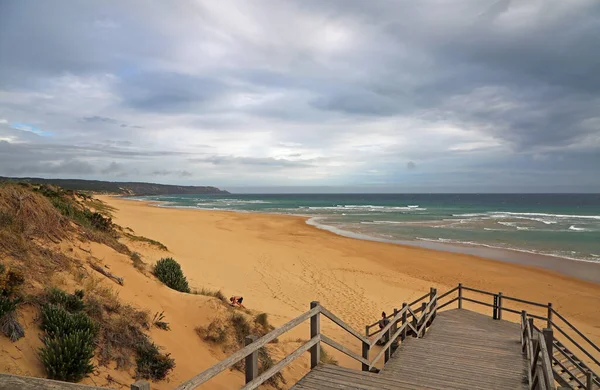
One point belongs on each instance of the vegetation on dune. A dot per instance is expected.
(92, 321)
(211, 293)
(10, 283)
(126, 188)
(168, 271)
(158, 321)
(151, 364)
(138, 263)
(70, 334)
(146, 240)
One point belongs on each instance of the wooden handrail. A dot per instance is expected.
(576, 344)
(556, 361)
(477, 291)
(242, 353)
(383, 331)
(343, 325)
(281, 364)
(575, 330)
(343, 349)
(546, 363)
(448, 292)
(577, 363)
(524, 301)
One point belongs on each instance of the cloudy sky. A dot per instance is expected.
(428, 95)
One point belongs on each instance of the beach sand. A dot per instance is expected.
(280, 264)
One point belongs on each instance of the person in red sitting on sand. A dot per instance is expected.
(236, 301)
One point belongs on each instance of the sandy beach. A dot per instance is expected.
(279, 264)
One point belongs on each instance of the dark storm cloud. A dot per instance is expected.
(353, 87)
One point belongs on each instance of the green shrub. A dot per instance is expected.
(58, 322)
(69, 342)
(100, 222)
(151, 364)
(168, 271)
(7, 305)
(68, 358)
(71, 302)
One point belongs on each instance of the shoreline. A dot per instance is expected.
(581, 269)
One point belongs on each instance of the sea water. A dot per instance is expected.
(561, 225)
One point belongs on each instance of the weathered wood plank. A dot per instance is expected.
(12, 382)
(343, 325)
(343, 349)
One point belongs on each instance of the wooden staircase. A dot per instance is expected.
(427, 347)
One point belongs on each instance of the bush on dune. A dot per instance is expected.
(151, 364)
(68, 358)
(69, 342)
(168, 271)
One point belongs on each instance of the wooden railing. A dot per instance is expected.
(10, 381)
(576, 374)
(402, 323)
(543, 350)
(539, 366)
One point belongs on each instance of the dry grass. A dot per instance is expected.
(146, 240)
(138, 263)
(211, 293)
(326, 358)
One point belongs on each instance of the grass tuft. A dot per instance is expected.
(158, 321)
(211, 293)
(146, 240)
(326, 358)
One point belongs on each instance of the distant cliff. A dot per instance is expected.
(124, 188)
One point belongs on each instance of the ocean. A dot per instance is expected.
(560, 225)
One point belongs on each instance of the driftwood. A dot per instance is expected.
(106, 273)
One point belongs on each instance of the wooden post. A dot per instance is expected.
(548, 338)
(500, 305)
(523, 324)
(395, 325)
(140, 385)
(365, 352)
(495, 307)
(403, 336)
(460, 295)
(435, 304)
(422, 322)
(386, 354)
(549, 322)
(251, 360)
(315, 330)
(589, 376)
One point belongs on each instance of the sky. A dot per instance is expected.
(347, 95)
